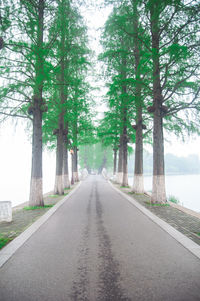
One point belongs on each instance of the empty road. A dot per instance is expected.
(98, 246)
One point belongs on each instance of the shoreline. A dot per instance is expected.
(182, 219)
(22, 205)
(169, 174)
(184, 187)
(179, 207)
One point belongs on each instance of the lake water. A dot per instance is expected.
(186, 188)
(15, 178)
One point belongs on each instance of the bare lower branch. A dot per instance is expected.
(14, 115)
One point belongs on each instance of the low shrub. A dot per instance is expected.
(4, 241)
(173, 199)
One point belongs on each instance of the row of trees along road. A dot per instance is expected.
(151, 56)
(95, 157)
(44, 60)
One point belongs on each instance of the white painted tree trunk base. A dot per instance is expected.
(159, 193)
(119, 177)
(76, 177)
(124, 179)
(36, 192)
(114, 178)
(84, 174)
(59, 186)
(138, 183)
(104, 173)
(66, 181)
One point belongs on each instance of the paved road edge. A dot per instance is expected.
(8, 251)
(178, 236)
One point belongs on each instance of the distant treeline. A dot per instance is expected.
(173, 164)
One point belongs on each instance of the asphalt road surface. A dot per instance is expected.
(98, 246)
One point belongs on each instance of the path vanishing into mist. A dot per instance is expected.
(98, 246)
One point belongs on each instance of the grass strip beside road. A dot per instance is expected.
(4, 241)
(157, 204)
(38, 207)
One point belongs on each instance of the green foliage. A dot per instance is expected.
(24, 62)
(109, 129)
(21, 73)
(5, 16)
(123, 80)
(55, 195)
(74, 54)
(4, 241)
(178, 53)
(95, 157)
(178, 29)
(173, 199)
(38, 207)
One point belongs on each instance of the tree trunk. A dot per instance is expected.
(76, 177)
(59, 186)
(125, 156)
(115, 162)
(120, 162)
(65, 164)
(158, 191)
(138, 183)
(36, 185)
(72, 167)
(125, 134)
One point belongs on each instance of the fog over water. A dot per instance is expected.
(15, 165)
